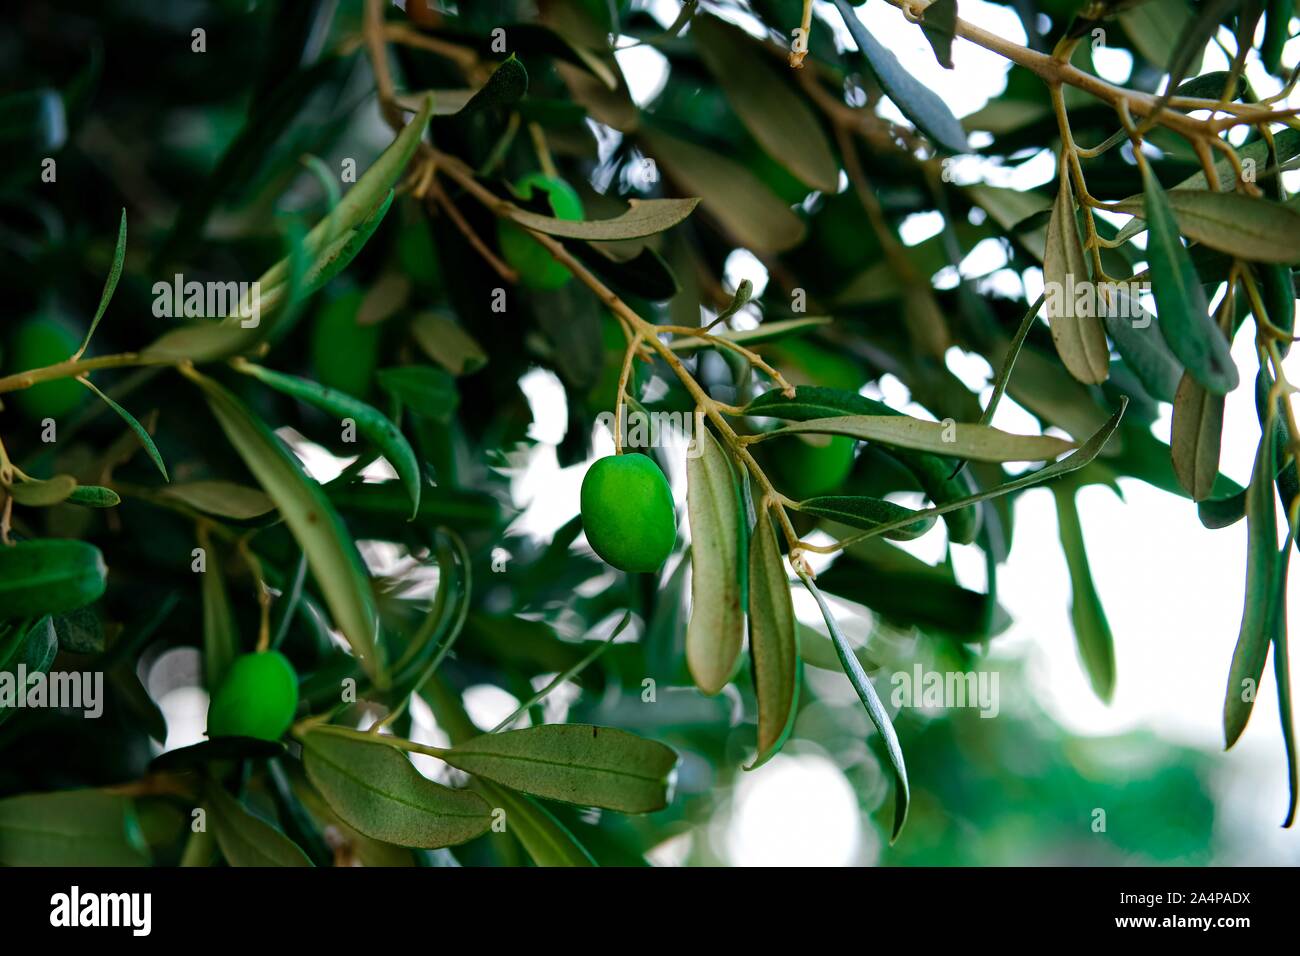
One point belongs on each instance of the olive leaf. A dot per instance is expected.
(375, 789)
(427, 391)
(1139, 342)
(49, 576)
(1243, 226)
(140, 432)
(1080, 338)
(41, 494)
(33, 650)
(371, 422)
(918, 103)
(939, 24)
(110, 286)
(871, 701)
(546, 839)
(73, 828)
(246, 840)
(1184, 312)
(448, 344)
(94, 496)
(220, 632)
(1265, 577)
(975, 442)
(1087, 614)
(1195, 436)
(330, 551)
(773, 642)
(782, 121)
(1083, 455)
(330, 246)
(225, 499)
(644, 217)
(935, 474)
(715, 630)
(860, 511)
(733, 195)
(573, 763)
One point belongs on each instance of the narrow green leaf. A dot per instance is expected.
(871, 701)
(1195, 436)
(145, 440)
(859, 511)
(939, 23)
(1080, 337)
(74, 828)
(935, 474)
(976, 442)
(425, 390)
(331, 245)
(782, 121)
(1082, 456)
(360, 202)
(574, 763)
(246, 840)
(545, 838)
(773, 642)
(1139, 342)
(370, 421)
(375, 789)
(505, 87)
(766, 332)
(1244, 226)
(1091, 629)
(225, 499)
(220, 633)
(1264, 571)
(42, 494)
(644, 217)
(448, 344)
(1282, 674)
(49, 576)
(1218, 513)
(1184, 312)
(716, 629)
(110, 285)
(330, 551)
(34, 650)
(917, 102)
(744, 205)
(94, 496)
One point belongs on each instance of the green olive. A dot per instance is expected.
(257, 698)
(627, 512)
(536, 267)
(811, 466)
(344, 353)
(38, 342)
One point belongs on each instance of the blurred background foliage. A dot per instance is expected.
(203, 149)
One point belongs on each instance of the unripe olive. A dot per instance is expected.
(812, 466)
(38, 342)
(536, 266)
(627, 512)
(257, 698)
